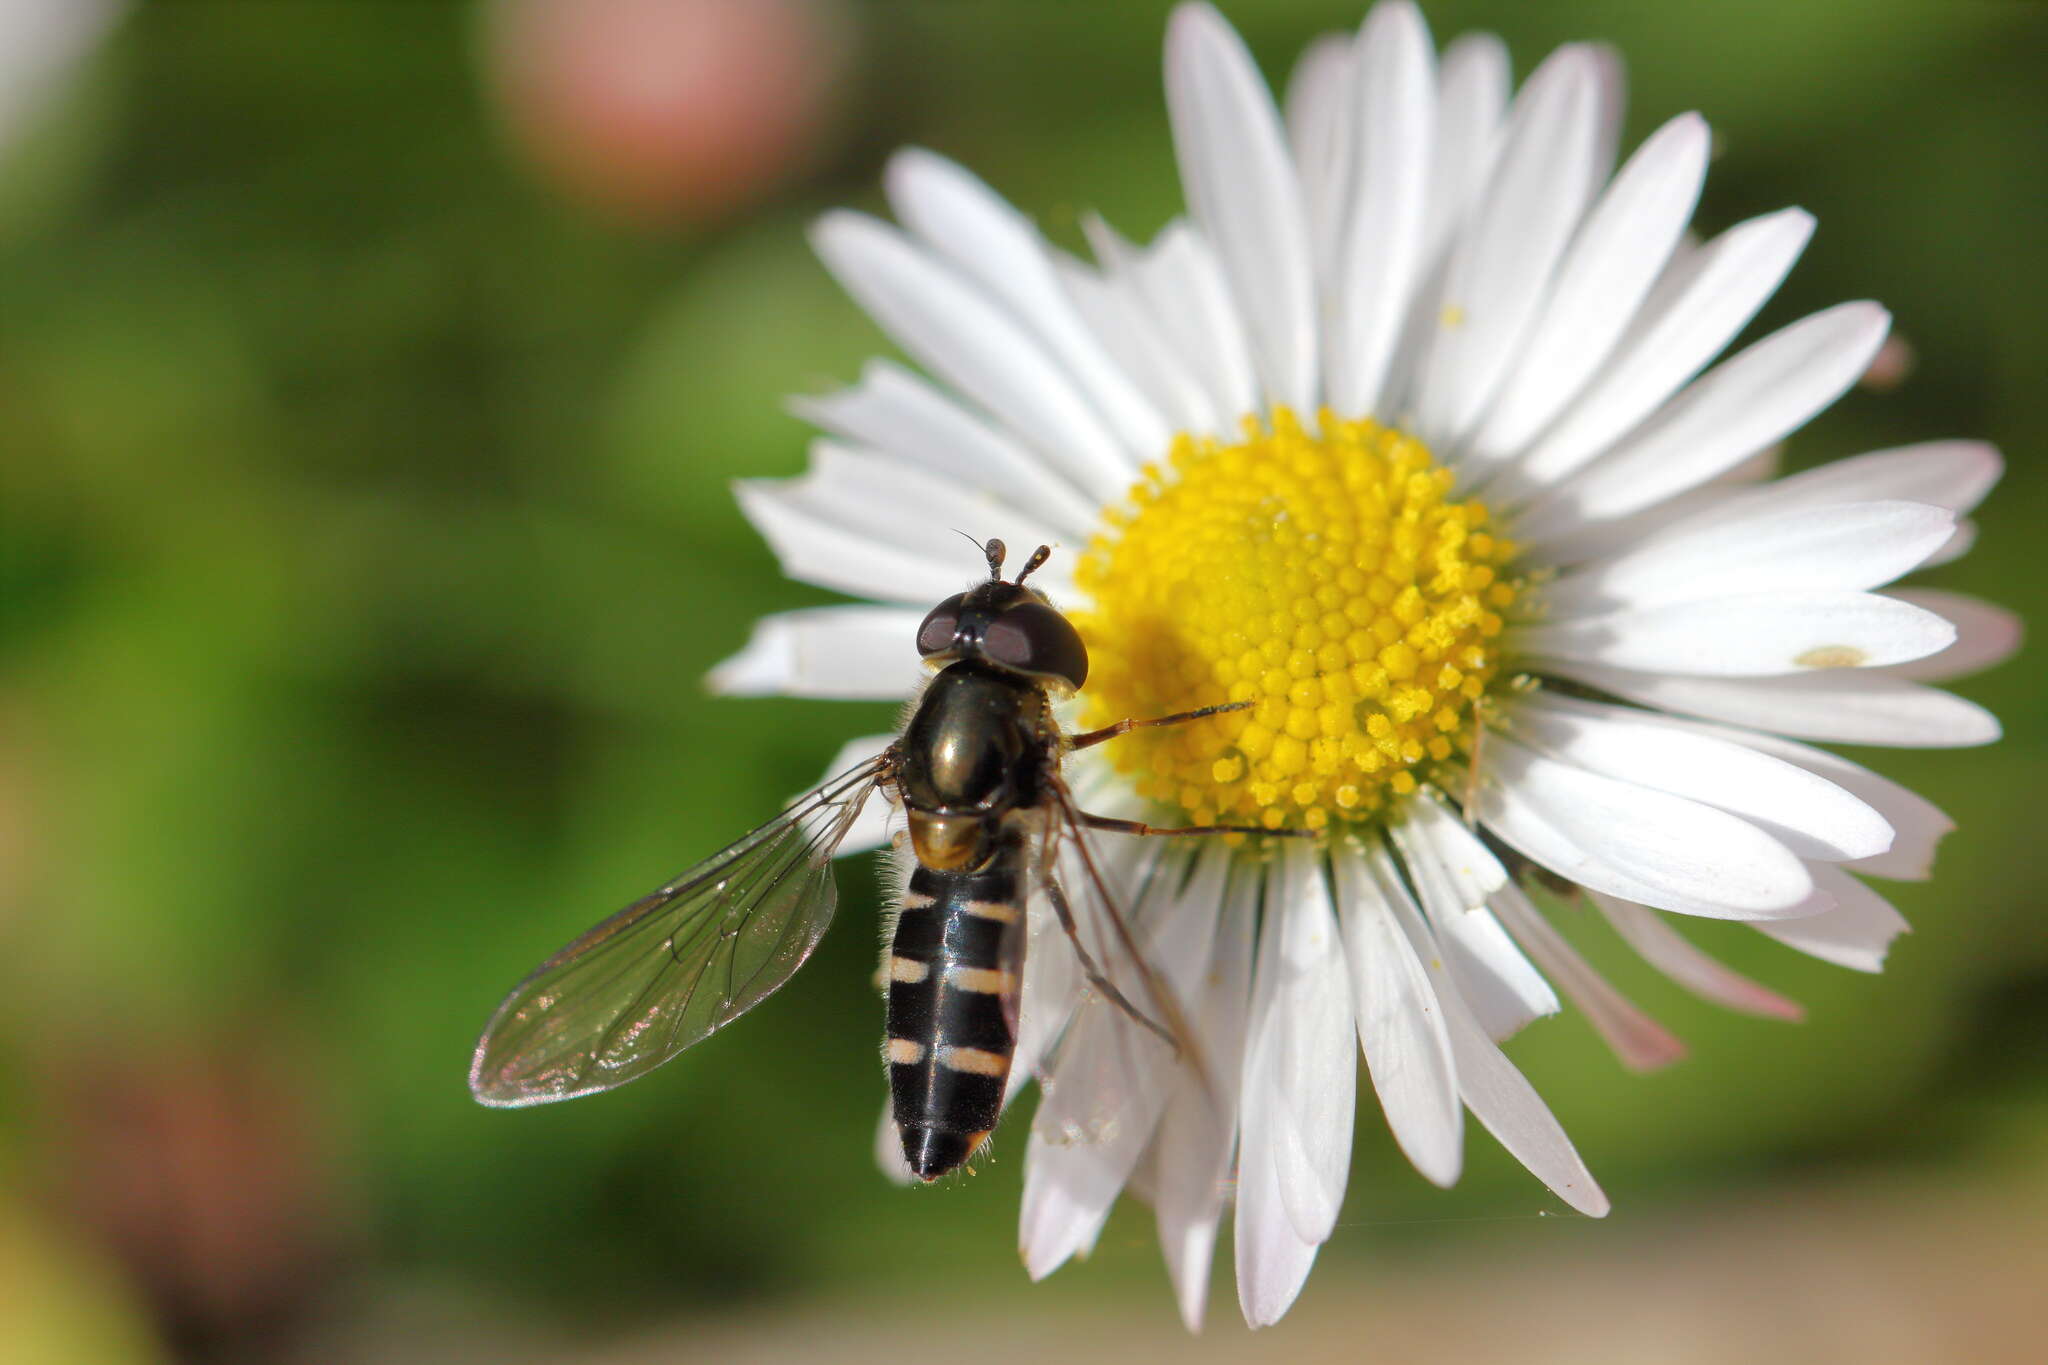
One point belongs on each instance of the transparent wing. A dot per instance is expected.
(674, 967)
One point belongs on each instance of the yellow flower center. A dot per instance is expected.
(1326, 579)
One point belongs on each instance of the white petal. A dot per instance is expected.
(1498, 272)
(952, 329)
(1056, 1218)
(1400, 1025)
(1188, 1244)
(1811, 815)
(1499, 1096)
(1734, 410)
(895, 411)
(1951, 474)
(815, 545)
(1763, 465)
(1183, 288)
(1750, 636)
(1192, 1151)
(1958, 545)
(1695, 311)
(867, 490)
(1610, 79)
(997, 246)
(1050, 993)
(1637, 843)
(1602, 283)
(1986, 635)
(1474, 872)
(1471, 107)
(1954, 475)
(1243, 190)
(889, 1149)
(1854, 933)
(1378, 260)
(1273, 1259)
(1111, 1082)
(872, 828)
(1504, 991)
(1918, 825)
(1639, 1041)
(861, 492)
(43, 39)
(1127, 867)
(1841, 546)
(1184, 282)
(843, 653)
(1623, 534)
(1116, 310)
(1318, 110)
(1661, 947)
(1840, 705)
(1314, 1059)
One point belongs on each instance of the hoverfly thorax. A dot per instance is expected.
(973, 749)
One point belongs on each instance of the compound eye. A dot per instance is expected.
(1034, 638)
(936, 634)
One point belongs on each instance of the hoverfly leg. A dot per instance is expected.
(1172, 1023)
(1094, 973)
(1124, 727)
(1116, 826)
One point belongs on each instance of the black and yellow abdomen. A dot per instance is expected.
(953, 972)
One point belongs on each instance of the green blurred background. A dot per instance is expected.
(365, 426)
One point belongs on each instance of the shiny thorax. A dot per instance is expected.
(978, 745)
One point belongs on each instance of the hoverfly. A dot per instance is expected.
(977, 771)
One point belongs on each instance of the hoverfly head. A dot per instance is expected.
(1006, 624)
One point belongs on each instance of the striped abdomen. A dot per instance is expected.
(953, 974)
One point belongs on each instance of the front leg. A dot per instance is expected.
(1124, 727)
(1111, 823)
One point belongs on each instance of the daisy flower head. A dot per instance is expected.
(1415, 436)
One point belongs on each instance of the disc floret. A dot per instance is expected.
(1323, 576)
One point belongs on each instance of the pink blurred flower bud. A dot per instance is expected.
(1891, 366)
(662, 111)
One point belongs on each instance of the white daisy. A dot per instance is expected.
(1412, 435)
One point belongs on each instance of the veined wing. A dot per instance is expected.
(675, 966)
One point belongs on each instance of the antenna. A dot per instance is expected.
(1038, 557)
